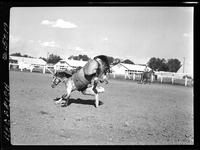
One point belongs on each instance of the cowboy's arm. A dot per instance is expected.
(94, 82)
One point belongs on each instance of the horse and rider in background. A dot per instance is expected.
(84, 79)
(147, 75)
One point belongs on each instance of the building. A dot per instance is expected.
(186, 70)
(26, 62)
(122, 68)
(69, 64)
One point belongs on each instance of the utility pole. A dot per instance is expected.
(47, 55)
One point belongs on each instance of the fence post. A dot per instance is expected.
(161, 80)
(186, 79)
(128, 75)
(133, 76)
(151, 78)
(44, 70)
(172, 79)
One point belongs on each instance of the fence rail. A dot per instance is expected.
(161, 77)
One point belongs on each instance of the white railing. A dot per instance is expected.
(43, 68)
(160, 75)
(185, 76)
(128, 74)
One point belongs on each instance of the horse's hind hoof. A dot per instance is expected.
(96, 105)
(63, 105)
(57, 102)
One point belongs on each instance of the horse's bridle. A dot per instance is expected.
(55, 81)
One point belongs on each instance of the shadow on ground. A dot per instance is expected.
(81, 101)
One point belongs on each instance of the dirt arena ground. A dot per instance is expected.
(129, 114)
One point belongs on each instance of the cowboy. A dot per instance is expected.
(93, 69)
(85, 79)
(146, 68)
(142, 75)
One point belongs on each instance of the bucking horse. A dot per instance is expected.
(146, 76)
(83, 79)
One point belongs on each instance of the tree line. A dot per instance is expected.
(20, 55)
(54, 59)
(171, 65)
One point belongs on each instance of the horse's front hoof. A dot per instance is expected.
(56, 102)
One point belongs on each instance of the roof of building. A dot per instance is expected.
(188, 69)
(28, 60)
(133, 66)
(73, 63)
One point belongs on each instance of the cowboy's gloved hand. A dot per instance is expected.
(94, 81)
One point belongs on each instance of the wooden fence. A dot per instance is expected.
(160, 77)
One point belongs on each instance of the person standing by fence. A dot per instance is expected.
(146, 68)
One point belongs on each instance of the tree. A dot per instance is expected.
(127, 61)
(84, 57)
(158, 64)
(80, 57)
(173, 65)
(152, 63)
(74, 57)
(20, 55)
(163, 65)
(43, 58)
(27, 56)
(53, 59)
(16, 54)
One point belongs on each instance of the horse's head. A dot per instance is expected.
(56, 80)
(152, 71)
(59, 77)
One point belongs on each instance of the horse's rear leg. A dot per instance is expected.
(63, 100)
(96, 96)
(96, 100)
(65, 97)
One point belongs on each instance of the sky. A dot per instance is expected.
(135, 33)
